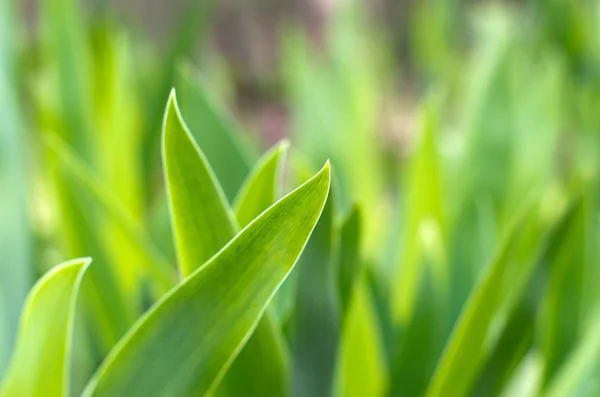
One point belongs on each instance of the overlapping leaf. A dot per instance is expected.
(185, 343)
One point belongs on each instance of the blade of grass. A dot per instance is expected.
(201, 189)
(42, 360)
(148, 361)
(424, 213)
(498, 291)
(579, 375)
(202, 220)
(362, 366)
(314, 325)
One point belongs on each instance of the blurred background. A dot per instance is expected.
(441, 118)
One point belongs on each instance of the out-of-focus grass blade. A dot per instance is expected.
(579, 375)
(131, 232)
(117, 125)
(563, 320)
(314, 325)
(184, 162)
(418, 344)
(363, 371)
(42, 359)
(517, 335)
(497, 292)
(202, 220)
(219, 136)
(201, 322)
(425, 222)
(15, 269)
(110, 314)
(66, 35)
(260, 188)
(349, 256)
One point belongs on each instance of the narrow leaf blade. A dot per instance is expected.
(41, 362)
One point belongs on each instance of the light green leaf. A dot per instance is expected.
(563, 310)
(203, 198)
(260, 188)
(185, 343)
(131, 233)
(202, 220)
(579, 375)
(66, 35)
(261, 368)
(425, 221)
(498, 291)
(363, 370)
(41, 362)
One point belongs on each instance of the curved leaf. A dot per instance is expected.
(259, 190)
(208, 230)
(499, 290)
(41, 362)
(261, 368)
(186, 342)
(202, 220)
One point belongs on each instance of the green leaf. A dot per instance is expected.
(261, 368)
(579, 375)
(66, 37)
(202, 220)
(41, 362)
(208, 230)
(363, 371)
(132, 233)
(205, 321)
(219, 136)
(349, 256)
(260, 188)
(315, 321)
(497, 292)
(563, 307)
(425, 222)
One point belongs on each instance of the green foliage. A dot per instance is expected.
(456, 255)
(41, 362)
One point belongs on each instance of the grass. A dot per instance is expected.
(454, 255)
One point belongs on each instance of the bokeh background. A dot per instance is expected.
(442, 118)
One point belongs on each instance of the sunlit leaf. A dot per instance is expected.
(205, 320)
(202, 220)
(210, 227)
(363, 371)
(41, 362)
